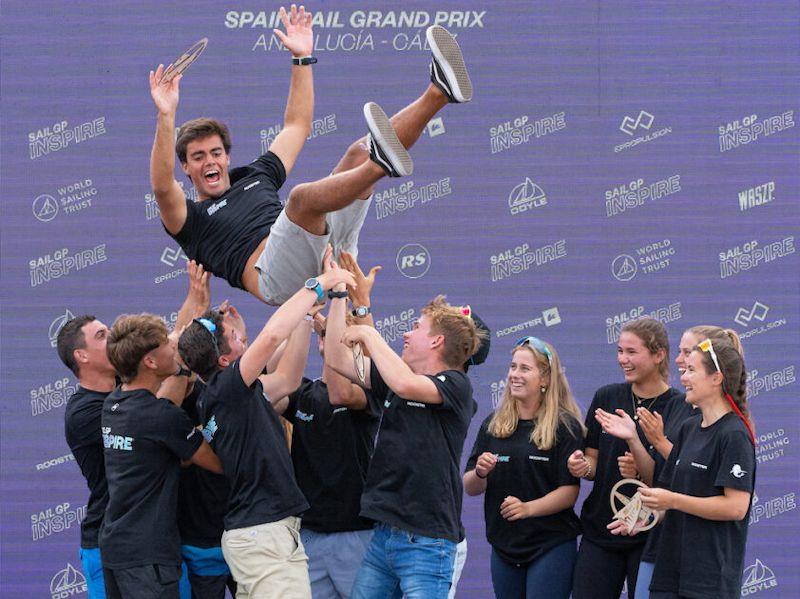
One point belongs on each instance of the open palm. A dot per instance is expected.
(298, 38)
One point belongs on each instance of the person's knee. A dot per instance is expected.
(355, 155)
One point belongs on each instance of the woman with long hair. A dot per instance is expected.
(605, 561)
(519, 462)
(708, 482)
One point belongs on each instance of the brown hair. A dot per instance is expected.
(715, 333)
(200, 349)
(654, 336)
(131, 338)
(70, 338)
(461, 337)
(200, 129)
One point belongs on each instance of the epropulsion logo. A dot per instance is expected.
(408, 195)
(772, 445)
(752, 254)
(776, 379)
(171, 257)
(521, 258)
(55, 520)
(67, 583)
(757, 577)
(435, 127)
(413, 260)
(521, 130)
(637, 193)
(649, 259)
(393, 326)
(63, 262)
(550, 317)
(758, 312)
(151, 209)
(321, 126)
(750, 128)
(60, 136)
(525, 196)
(664, 314)
(57, 324)
(756, 196)
(642, 122)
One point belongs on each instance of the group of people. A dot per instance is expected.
(196, 487)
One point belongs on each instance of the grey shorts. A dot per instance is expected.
(292, 254)
(333, 560)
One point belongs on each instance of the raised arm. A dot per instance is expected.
(289, 372)
(299, 40)
(170, 198)
(623, 427)
(198, 297)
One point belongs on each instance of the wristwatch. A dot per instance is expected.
(313, 285)
(302, 61)
(361, 311)
(183, 371)
(337, 294)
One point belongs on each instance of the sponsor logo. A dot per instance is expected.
(757, 577)
(525, 196)
(700, 466)
(517, 260)
(61, 135)
(170, 257)
(772, 507)
(51, 395)
(57, 325)
(650, 258)
(550, 317)
(111, 441)
(45, 208)
(751, 254)
(339, 410)
(643, 121)
(67, 583)
(151, 210)
(521, 130)
(413, 260)
(320, 126)
(55, 520)
(756, 196)
(771, 445)
(442, 378)
(503, 458)
(64, 459)
(210, 429)
(63, 262)
(393, 326)
(759, 311)
(538, 458)
(435, 127)
(72, 198)
(737, 471)
(403, 197)
(751, 128)
(638, 192)
(302, 416)
(415, 404)
(214, 208)
(770, 381)
(497, 389)
(664, 314)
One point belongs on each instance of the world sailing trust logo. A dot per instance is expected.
(67, 583)
(757, 577)
(525, 196)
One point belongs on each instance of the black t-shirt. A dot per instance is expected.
(247, 436)
(331, 449)
(676, 412)
(699, 557)
(596, 512)
(527, 473)
(413, 480)
(82, 429)
(222, 233)
(202, 495)
(145, 440)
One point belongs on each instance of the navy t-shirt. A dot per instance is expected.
(331, 450)
(145, 440)
(222, 233)
(82, 430)
(413, 480)
(246, 434)
(526, 472)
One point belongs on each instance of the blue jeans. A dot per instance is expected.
(643, 579)
(93, 572)
(333, 560)
(400, 563)
(549, 577)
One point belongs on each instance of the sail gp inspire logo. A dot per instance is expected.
(67, 583)
(757, 577)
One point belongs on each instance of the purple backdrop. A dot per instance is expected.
(619, 159)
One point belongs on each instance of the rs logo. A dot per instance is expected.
(413, 260)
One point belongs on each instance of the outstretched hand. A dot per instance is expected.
(298, 39)
(361, 294)
(620, 425)
(166, 95)
(199, 284)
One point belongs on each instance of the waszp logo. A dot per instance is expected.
(759, 311)
(45, 208)
(629, 125)
(525, 196)
(170, 257)
(67, 582)
(413, 260)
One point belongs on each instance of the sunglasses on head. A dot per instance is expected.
(707, 347)
(538, 345)
(209, 326)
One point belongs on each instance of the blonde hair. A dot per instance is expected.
(715, 333)
(130, 339)
(556, 408)
(461, 337)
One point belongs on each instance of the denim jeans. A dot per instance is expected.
(549, 577)
(400, 563)
(643, 579)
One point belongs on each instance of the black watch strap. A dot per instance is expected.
(303, 60)
(337, 294)
(183, 371)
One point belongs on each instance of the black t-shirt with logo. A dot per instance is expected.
(331, 449)
(222, 233)
(82, 430)
(527, 473)
(596, 512)
(698, 557)
(246, 434)
(145, 440)
(674, 415)
(413, 480)
(202, 495)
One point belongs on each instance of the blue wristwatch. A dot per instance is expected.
(313, 285)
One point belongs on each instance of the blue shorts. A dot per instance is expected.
(93, 572)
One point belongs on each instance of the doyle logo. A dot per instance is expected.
(759, 312)
(45, 208)
(63, 262)
(737, 471)
(624, 267)
(60, 136)
(409, 195)
(751, 128)
(321, 126)
(67, 583)
(521, 130)
(435, 127)
(57, 324)
(752, 254)
(525, 196)
(629, 125)
(757, 196)
(757, 577)
(170, 257)
(649, 259)
(413, 260)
